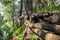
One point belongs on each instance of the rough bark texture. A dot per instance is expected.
(29, 6)
(43, 25)
(40, 24)
(51, 36)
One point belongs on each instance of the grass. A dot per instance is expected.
(33, 37)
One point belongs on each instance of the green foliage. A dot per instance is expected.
(18, 30)
(33, 37)
(49, 9)
(20, 37)
(46, 6)
(6, 2)
(6, 25)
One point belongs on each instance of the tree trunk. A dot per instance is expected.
(29, 6)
